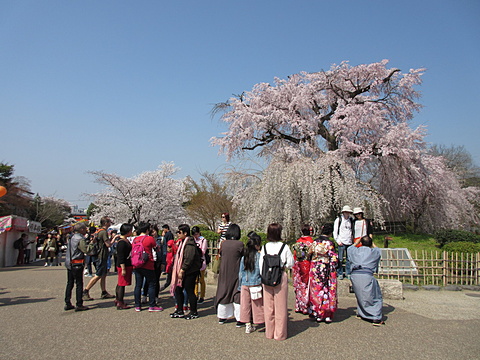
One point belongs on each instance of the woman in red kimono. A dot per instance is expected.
(323, 276)
(301, 269)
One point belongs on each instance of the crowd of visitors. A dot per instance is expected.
(252, 279)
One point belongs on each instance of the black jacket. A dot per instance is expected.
(192, 257)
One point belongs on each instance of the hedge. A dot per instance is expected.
(462, 247)
(444, 237)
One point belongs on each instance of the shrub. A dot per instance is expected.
(211, 236)
(462, 247)
(244, 237)
(202, 228)
(451, 236)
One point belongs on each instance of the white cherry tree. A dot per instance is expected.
(150, 196)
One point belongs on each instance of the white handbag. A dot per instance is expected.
(256, 292)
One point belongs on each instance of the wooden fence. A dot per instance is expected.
(432, 268)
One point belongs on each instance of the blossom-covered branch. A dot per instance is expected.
(151, 195)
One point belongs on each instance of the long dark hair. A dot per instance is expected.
(250, 252)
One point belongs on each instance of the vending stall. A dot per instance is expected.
(11, 228)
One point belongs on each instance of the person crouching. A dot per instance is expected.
(364, 261)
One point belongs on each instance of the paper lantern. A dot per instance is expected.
(3, 191)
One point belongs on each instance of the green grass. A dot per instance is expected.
(412, 242)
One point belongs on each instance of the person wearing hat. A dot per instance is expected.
(343, 235)
(361, 226)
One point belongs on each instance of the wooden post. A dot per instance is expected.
(445, 261)
(386, 240)
(411, 270)
(477, 269)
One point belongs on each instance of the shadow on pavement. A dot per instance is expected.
(296, 327)
(20, 300)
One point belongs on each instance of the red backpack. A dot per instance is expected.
(138, 255)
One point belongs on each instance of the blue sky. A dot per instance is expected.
(121, 86)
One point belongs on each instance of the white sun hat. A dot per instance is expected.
(347, 208)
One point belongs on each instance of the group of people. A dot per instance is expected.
(242, 291)
(23, 246)
(318, 266)
(52, 249)
(158, 255)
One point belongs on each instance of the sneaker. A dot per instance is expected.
(155, 309)
(222, 321)
(176, 315)
(81, 308)
(378, 323)
(191, 316)
(200, 301)
(68, 307)
(185, 308)
(138, 309)
(239, 324)
(86, 296)
(328, 320)
(106, 295)
(250, 328)
(85, 272)
(45, 265)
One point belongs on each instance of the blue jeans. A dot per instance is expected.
(342, 250)
(149, 276)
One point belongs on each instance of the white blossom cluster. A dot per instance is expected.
(150, 196)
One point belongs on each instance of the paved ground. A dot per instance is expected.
(426, 325)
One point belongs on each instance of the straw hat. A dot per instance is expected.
(357, 210)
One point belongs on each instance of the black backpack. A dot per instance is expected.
(208, 258)
(18, 244)
(198, 260)
(272, 269)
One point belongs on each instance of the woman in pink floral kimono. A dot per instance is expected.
(301, 270)
(323, 276)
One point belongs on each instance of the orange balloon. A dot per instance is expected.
(3, 191)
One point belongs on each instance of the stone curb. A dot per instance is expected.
(411, 287)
